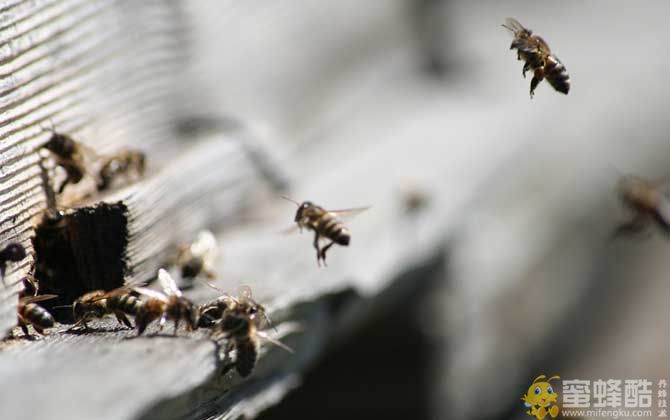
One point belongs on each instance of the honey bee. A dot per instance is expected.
(211, 312)
(13, 252)
(241, 331)
(127, 162)
(97, 304)
(198, 257)
(648, 204)
(69, 155)
(325, 224)
(168, 305)
(537, 56)
(30, 313)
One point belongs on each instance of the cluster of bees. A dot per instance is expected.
(237, 319)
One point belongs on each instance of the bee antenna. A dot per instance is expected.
(291, 200)
(62, 306)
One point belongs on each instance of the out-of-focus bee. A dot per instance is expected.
(13, 252)
(30, 313)
(69, 155)
(127, 163)
(211, 312)
(648, 204)
(538, 57)
(198, 257)
(31, 286)
(98, 303)
(241, 331)
(325, 224)
(168, 305)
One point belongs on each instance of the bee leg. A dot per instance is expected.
(323, 252)
(176, 326)
(24, 328)
(526, 67)
(161, 323)
(123, 319)
(537, 78)
(636, 226)
(141, 326)
(318, 250)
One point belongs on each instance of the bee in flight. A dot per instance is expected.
(325, 224)
(168, 305)
(242, 332)
(211, 312)
(198, 257)
(648, 203)
(126, 162)
(537, 57)
(13, 252)
(30, 313)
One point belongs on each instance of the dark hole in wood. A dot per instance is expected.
(85, 251)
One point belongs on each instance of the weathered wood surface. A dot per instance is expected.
(106, 72)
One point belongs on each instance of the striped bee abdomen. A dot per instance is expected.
(557, 75)
(247, 354)
(38, 316)
(125, 303)
(336, 231)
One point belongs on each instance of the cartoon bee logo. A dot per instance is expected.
(541, 398)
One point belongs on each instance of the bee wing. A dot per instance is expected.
(168, 284)
(513, 25)
(205, 244)
(39, 298)
(244, 291)
(151, 293)
(114, 292)
(664, 210)
(346, 214)
(277, 343)
(289, 230)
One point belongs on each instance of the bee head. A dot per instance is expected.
(60, 144)
(302, 209)
(15, 252)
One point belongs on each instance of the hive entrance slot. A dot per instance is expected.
(78, 251)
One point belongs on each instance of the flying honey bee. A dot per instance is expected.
(211, 312)
(126, 163)
(325, 224)
(198, 257)
(69, 155)
(242, 333)
(648, 204)
(98, 303)
(13, 252)
(30, 313)
(168, 305)
(537, 56)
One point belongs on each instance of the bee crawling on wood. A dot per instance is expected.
(648, 203)
(168, 305)
(241, 331)
(211, 312)
(127, 162)
(13, 252)
(537, 57)
(198, 257)
(30, 313)
(325, 224)
(98, 303)
(69, 155)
